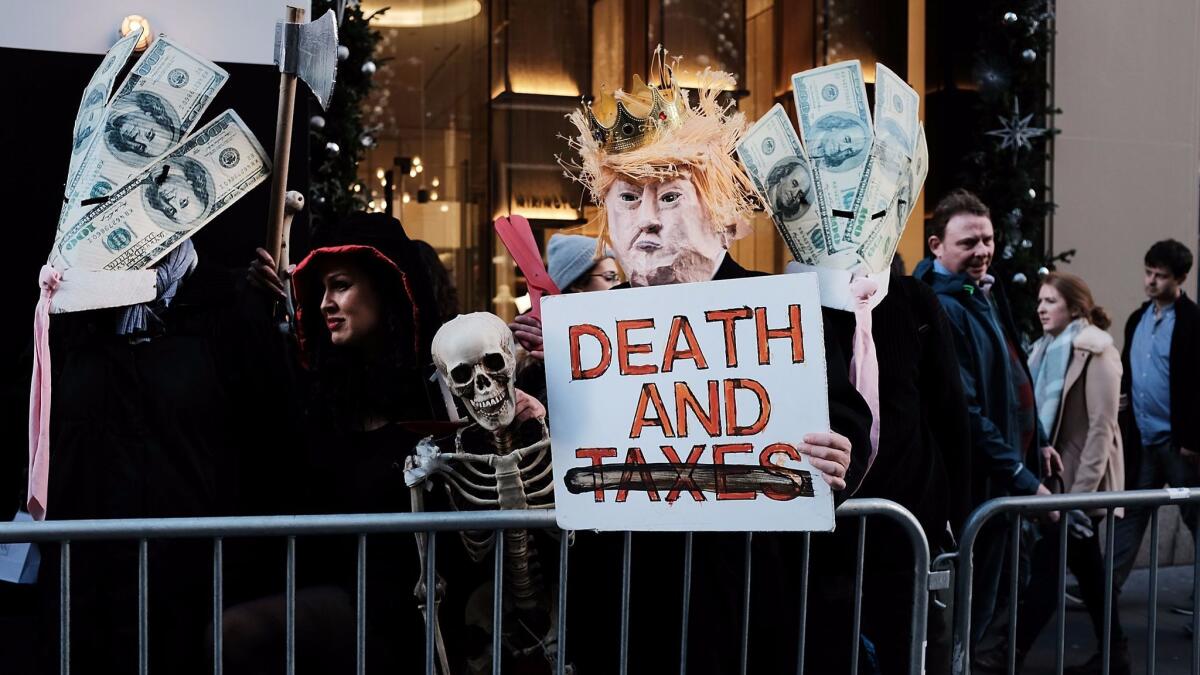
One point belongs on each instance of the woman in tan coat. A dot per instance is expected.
(1077, 381)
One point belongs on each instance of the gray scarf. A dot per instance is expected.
(1049, 361)
(171, 271)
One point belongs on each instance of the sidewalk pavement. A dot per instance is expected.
(1173, 646)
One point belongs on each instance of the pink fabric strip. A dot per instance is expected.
(864, 362)
(39, 397)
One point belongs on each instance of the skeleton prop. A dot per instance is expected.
(475, 355)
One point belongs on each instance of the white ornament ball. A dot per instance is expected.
(1019, 279)
(367, 140)
(1043, 272)
(1010, 18)
(1029, 56)
(343, 52)
(368, 68)
(317, 122)
(332, 149)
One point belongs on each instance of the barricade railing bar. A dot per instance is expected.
(222, 529)
(1019, 508)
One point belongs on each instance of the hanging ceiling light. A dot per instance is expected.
(129, 23)
(416, 13)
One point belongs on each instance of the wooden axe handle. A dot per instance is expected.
(283, 151)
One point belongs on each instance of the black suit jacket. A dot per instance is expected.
(1185, 395)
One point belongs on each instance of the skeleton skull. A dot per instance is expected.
(475, 355)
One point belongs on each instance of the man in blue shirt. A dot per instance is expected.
(1159, 401)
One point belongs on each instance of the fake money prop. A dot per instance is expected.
(137, 187)
(144, 185)
(842, 197)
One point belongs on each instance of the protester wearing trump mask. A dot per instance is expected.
(672, 199)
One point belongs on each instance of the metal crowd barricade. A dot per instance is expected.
(220, 529)
(1021, 507)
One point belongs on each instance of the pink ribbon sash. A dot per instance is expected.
(864, 363)
(39, 396)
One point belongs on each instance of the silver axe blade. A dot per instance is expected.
(309, 51)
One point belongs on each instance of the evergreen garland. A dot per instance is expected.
(334, 170)
(1011, 70)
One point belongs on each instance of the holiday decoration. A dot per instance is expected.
(338, 140)
(1008, 166)
(1016, 132)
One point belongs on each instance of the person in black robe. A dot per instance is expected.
(366, 315)
(155, 417)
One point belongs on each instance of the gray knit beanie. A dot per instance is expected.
(569, 256)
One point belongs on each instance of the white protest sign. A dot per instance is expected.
(679, 407)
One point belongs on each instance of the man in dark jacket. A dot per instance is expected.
(1159, 395)
(1005, 434)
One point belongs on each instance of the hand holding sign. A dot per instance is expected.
(829, 454)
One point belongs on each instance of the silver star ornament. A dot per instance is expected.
(1015, 132)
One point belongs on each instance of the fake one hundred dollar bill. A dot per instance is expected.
(168, 202)
(835, 124)
(95, 97)
(896, 129)
(156, 106)
(879, 247)
(775, 161)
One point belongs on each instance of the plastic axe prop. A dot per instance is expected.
(517, 236)
(305, 51)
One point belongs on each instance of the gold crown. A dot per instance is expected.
(638, 117)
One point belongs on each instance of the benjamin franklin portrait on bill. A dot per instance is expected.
(789, 188)
(142, 126)
(89, 116)
(178, 202)
(841, 142)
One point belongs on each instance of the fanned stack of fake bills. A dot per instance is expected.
(138, 183)
(842, 197)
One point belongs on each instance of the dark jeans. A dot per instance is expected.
(1161, 464)
(1041, 597)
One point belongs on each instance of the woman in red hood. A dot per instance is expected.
(365, 318)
